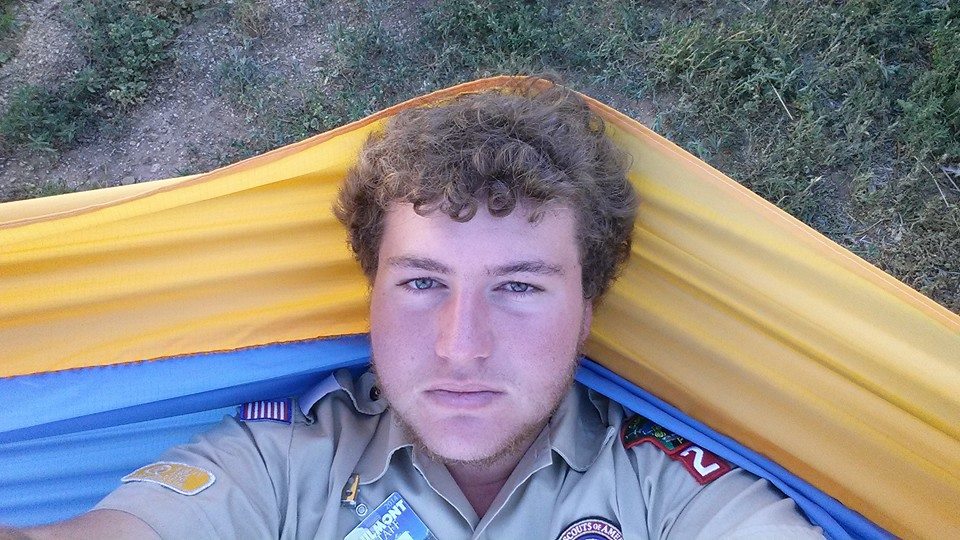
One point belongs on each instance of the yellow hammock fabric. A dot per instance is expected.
(729, 309)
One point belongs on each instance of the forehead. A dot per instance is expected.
(485, 238)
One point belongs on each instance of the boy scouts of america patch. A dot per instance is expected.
(277, 410)
(594, 528)
(704, 466)
(180, 477)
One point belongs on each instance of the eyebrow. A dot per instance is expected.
(528, 267)
(420, 263)
(431, 265)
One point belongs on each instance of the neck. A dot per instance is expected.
(481, 481)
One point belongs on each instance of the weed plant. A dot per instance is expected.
(41, 119)
(251, 17)
(8, 30)
(7, 20)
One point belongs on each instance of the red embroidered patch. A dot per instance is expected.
(704, 466)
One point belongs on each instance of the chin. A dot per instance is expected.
(456, 441)
(459, 450)
(480, 444)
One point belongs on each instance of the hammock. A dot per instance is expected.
(133, 317)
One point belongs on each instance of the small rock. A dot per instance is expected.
(127, 180)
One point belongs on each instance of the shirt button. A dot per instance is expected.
(374, 393)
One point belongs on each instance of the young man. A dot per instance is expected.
(489, 227)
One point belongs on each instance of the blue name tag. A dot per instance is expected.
(392, 520)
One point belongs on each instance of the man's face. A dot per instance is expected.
(476, 326)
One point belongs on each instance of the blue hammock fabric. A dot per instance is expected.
(73, 434)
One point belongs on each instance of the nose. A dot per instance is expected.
(466, 333)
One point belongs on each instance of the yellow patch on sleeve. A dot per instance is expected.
(180, 477)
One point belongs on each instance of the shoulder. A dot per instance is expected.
(702, 465)
(696, 491)
(342, 408)
(341, 396)
(258, 463)
(657, 455)
(656, 452)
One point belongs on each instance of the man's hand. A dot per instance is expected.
(93, 525)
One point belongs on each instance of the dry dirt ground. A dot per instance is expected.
(186, 125)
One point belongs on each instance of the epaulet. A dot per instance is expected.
(276, 410)
(310, 398)
(703, 465)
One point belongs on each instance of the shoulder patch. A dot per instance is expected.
(277, 410)
(703, 466)
(180, 477)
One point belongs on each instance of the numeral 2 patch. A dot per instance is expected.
(703, 465)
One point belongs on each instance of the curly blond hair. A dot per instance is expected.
(523, 144)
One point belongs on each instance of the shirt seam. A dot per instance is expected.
(281, 512)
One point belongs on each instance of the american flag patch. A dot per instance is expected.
(276, 410)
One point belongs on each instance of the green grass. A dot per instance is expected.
(241, 77)
(840, 116)
(28, 190)
(511, 35)
(372, 66)
(41, 119)
(8, 21)
(8, 30)
(931, 111)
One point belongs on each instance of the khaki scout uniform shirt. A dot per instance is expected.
(285, 480)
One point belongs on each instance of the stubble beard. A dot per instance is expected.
(516, 445)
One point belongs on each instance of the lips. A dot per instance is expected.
(462, 398)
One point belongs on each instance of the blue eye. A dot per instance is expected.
(422, 284)
(519, 287)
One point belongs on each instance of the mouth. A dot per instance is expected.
(462, 398)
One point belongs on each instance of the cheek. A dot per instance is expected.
(396, 334)
(552, 336)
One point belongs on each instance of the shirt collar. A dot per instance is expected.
(579, 429)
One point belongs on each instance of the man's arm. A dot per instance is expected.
(92, 525)
(696, 494)
(743, 506)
